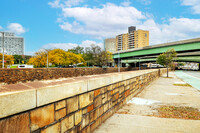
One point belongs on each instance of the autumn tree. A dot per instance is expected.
(167, 58)
(8, 60)
(55, 57)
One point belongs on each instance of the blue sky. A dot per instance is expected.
(68, 23)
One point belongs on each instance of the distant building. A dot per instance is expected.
(13, 45)
(109, 45)
(133, 39)
(141, 38)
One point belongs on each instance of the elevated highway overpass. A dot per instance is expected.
(187, 51)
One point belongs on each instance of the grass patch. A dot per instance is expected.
(186, 85)
(178, 112)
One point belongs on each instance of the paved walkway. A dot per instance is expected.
(135, 117)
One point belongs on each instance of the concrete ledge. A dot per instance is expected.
(46, 92)
(16, 102)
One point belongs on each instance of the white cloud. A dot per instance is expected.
(1, 27)
(126, 3)
(195, 5)
(101, 22)
(111, 20)
(64, 3)
(67, 46)
(145, 2)
(16, 28)
(176, 29)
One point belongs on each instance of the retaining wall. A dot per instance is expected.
(69, 105)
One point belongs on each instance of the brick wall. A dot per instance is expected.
(11, 76)
(82, 112)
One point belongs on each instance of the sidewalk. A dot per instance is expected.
(137, 115)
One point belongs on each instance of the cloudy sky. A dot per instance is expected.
(68, 23)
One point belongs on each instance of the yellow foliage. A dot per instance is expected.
(9, 60)
(56, 57)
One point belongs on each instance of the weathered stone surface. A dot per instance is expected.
(15, 102)
(60, 113)
(105, 107)
(86, 99)
(78, 117)
(85, 121)
(90, 108)
(15, 124)
(97, 101)
(54, 93)
(42, 117)
(86, 130)
(97, 92)
(67, 123)
(60, 105)
(72, 104)
(104, 98)
(52, 129)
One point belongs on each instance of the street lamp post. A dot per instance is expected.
(47, 58)
(3, 49)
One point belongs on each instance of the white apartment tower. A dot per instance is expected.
(13, 45)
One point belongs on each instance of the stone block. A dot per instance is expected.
(15, 102)
(101, 110)
(103, 90)
(91, 116)
(86, 130)
(86, 99)
(97, 101)
(15, 124)
(52, 129)
(72, 104)
(67, 123)
(42, 117)
(85, 121)
(105, 107)
(51, 94)
(60, 113)
(60, 105)
(97, 92)
(104, 98)
(90, 108)
(78, 117)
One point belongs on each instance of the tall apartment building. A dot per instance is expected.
(13, 45)
(109, 45)
(133, 39)
(122, 42)
(141, 38)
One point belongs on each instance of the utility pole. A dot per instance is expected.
(47, 59)
(3, 49)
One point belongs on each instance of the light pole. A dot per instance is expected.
(47, 59)
(3, 49)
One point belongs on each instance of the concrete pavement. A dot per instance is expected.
(135, 116)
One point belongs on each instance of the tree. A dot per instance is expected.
(94, 55)
(55, 57)
(18, 59)
(167, 58)
(77, 50)
(8, 60)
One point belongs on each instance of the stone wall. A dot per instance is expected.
(15, 75)
(79, 106)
